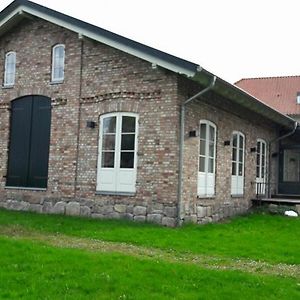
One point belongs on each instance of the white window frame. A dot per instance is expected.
(261, 166)
(116, 179)
(10, 69)
(58, 63)
(237, 179)
(206, 179)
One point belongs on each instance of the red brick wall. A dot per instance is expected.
(222, 205)
(98, 80)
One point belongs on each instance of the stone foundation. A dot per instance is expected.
(160, 214)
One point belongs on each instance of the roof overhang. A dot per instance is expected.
(242, 98)
(22, 8)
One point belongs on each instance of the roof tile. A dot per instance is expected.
(278, 92)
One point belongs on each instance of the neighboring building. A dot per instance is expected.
(281, 93)
(94, 124)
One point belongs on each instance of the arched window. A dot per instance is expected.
(10, 69)
(117, 159)
(207, 159)
(261, 162)
(237, 166)
(58, 63)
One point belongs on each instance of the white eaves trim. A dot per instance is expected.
(97, 37)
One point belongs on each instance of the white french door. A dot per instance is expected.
(207, 159)
(261, 159)
(237, 169)
(117, 157)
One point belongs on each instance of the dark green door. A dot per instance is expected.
(29, 142)
(289, 171)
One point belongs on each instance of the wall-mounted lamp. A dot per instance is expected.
(253, 149)
(90, 124)
(226, 143)
(192, 133)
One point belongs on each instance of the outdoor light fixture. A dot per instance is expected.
(90, 124)
(193, 133)
(226, 143)
(253, 149)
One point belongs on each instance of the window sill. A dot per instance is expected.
(7, 87)
(237, 196)
(206, 196)
(54, 82)
(107, 193)
(25, 188)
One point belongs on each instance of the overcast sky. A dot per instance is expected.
(233, 39)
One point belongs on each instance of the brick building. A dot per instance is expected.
(95, 124)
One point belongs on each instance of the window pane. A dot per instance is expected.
(240, 169)
(211, 165)
(263, 172)
(211, 150)
(108, 160)
(241, 156)
(257, 172)
(241, 142)
(258, 147)
(128, 141)
(233, 168)
(109, 125)
(202, 147)
(234, 140)
(108, 142)
(203, 131)
(202, 164)
(211, 133)
(263, 148)
(60, 72)
(234, 154)
(258, 160)
(127, 160)
(128, 124)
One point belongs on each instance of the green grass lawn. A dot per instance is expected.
(260, 237)
(35, 267)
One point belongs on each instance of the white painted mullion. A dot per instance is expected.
(118, 148)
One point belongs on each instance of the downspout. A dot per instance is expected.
(79, 116)
(269, 154)
(181, 146)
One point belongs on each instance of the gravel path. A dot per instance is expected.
(204, 261)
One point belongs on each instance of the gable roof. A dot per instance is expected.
(16, 10)
(20, 9)
(278, 92)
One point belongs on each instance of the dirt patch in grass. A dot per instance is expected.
(204, 261)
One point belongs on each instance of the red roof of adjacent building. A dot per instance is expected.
(278, 92)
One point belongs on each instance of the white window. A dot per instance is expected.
(207, 159)
(237, 169)
(117, 157)
(58, 63)
(261, 159)
(10, 69)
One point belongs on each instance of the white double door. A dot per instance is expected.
(261, 159)
(117, 157)
(237, 169)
